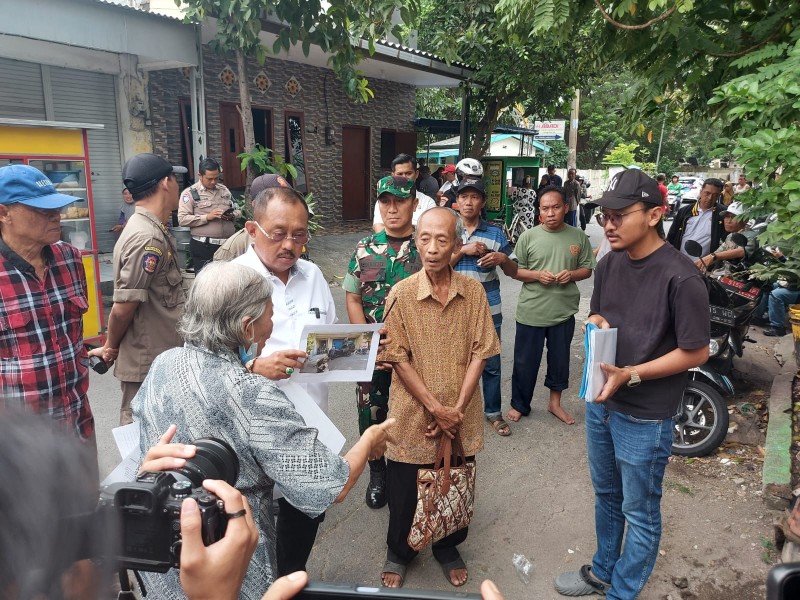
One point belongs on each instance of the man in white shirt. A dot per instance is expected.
(449, 175)
(405, 165)
(300, 296)
(701, 222)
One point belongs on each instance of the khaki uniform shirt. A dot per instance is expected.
(234, 246)
(146, 271)
(192, 213)
(439, 341)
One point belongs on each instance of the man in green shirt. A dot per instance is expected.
(551, 259)
(379, 262)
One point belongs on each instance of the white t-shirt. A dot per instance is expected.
(292, 306)
(425, 202)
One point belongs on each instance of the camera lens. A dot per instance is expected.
(214, 459)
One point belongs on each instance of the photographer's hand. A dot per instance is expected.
(287, 587)
(216, 571)
(165, 456)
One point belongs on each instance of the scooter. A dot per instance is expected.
(703, 418)
(674, 201)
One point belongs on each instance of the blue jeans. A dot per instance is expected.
(490, 380)
(571, 219)
(627, 458)
(779, 300)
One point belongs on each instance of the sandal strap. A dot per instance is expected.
(591, 581)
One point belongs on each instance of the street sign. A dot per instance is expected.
(549, 130)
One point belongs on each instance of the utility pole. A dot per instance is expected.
(661, 139)
(572, 156)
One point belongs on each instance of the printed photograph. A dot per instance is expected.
(339, 353)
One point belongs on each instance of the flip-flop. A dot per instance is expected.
(500, 426)
(395, 569)
(451, 566)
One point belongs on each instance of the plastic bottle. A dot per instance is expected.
(523, 566)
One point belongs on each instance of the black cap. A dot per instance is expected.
(629, 187)
(263, 182)
(143, 171)
(475, 184)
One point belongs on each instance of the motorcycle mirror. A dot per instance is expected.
(738, 239)
(693, 249)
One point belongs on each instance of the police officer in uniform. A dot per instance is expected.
(148, 295)
(208, 209)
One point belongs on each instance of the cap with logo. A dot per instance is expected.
(735, 209)
(23, 184)
(472, 184)
(449, 169)
(143, 171)
(397, 186)
(264, 182)
(629, 187)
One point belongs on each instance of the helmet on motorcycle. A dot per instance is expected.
(469, 167)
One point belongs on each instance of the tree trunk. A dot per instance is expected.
(246, 112)
(483, 133)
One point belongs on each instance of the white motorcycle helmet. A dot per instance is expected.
(469, 168)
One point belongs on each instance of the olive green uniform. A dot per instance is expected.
(146, 271)
(378, 263)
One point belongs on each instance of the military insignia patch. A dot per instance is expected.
(150, 262)
(154, 250)
(185, 198)
(575, 249)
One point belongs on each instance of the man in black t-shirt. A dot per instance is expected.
(658, 302)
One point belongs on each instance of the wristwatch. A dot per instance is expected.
(252, 363)
(635, 379)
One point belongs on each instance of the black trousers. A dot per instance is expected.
(202, 253)
(295, 533)
(401, 488)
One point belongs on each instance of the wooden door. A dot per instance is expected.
(355, 173)
(232, 139)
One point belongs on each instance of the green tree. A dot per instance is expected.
(764, 111)
(336, 26)
(538, 73)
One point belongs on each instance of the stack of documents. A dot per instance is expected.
(601, 347)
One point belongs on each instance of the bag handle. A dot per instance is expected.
(444, 456)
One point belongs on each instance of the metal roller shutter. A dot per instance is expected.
(86, 97)
(21, 93)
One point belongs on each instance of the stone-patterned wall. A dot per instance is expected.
(392, 108)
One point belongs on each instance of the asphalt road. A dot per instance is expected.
(533, 494)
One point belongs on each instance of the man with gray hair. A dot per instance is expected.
(300, 296)
(434, 312)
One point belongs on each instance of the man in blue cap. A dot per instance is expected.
(42, 301)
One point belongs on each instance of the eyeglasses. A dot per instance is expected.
(300, 238)
(616, 220)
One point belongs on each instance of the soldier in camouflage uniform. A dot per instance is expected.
(379, 262)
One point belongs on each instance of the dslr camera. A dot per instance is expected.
(148, 510)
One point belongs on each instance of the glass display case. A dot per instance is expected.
(62, 155)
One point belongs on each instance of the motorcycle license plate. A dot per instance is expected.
(722, 315)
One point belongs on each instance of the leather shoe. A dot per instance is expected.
(775, 332)
(376, 490)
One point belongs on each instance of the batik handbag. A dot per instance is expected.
(445, 495)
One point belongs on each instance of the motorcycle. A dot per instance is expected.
(703, 419)
(674, 201)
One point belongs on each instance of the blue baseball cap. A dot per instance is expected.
(23, 184)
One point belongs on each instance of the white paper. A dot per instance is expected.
(601, 347)
(126, 470)
(127, 438)
(313, 416)
(338, 353)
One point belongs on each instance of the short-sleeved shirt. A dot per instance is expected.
(496, 241)
(234, 246)
(378, 263)
(658, 303)
(425, 202)
(43, 362)
(146, 271)
(212, 395)
(540, 249)
(192, 213)
(439, 341)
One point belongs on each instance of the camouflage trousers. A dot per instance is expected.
(373, 406)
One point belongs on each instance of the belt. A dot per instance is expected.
(210, 240)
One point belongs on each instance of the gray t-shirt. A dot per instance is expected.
(657, 304)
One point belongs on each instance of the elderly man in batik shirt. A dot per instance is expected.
(435, 312)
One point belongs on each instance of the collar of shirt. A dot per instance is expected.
(146, 213)
(20, 263)
(425, 289)
(251, 259)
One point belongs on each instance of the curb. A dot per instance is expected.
(777, 470)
